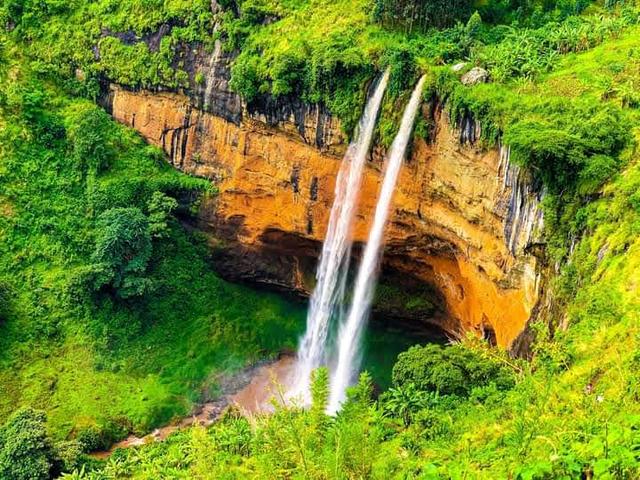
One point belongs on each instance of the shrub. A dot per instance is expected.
(245, 78)
(404, 401)
(596, 172)
(571, 143)
(432, 424)
(91, 439)
(234, 435)
(27, 99)
(401, 64)
(122, 252)
(160, 207)
(89, 139)
(68, 455)
(453, 370)
(25, 450)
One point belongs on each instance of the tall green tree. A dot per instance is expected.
(122, 253)
(89, 138)
(160, 208)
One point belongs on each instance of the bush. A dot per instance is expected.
(91, 439)
(68, 455)
(122, 252)
(454, 370)
(160, 208)
(25, 450)
(404, 401)
(596, 172)
(89, 140)
(572, 146)
(401, 64)
(432, 424)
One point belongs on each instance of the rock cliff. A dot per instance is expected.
(464, 222)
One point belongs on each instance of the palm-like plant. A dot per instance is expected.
(404, 401)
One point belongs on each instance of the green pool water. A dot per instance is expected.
(382, 346)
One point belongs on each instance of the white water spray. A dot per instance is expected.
(332, 271)
(349, 337)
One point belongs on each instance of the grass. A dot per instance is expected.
(173, 363)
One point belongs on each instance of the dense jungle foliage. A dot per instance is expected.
(112, 320)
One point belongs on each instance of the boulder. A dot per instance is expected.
(474, 76)
(458, 67)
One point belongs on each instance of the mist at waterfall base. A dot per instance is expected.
(328, 296)
(327, 301)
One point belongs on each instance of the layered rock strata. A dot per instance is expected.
(464, 222)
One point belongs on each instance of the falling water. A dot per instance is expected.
(334, 260)
(350, 331)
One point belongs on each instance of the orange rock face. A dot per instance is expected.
(458, 221)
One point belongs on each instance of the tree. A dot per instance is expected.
(25, 450)
(89, 138)
(122, 252)
(160, 207)
(473, 25)
(454, 370)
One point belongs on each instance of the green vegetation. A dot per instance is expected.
(109, 38)
(572, 411)
(415, 15)
(111, 320)
(123, 250)
(25, 452)
(452, 370)
(390, 297)
(327, 51)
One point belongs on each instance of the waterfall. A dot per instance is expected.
(332, 270)
(349, 335)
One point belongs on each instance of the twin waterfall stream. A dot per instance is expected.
(327, 309)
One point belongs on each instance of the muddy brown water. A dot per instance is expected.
(253, 391)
